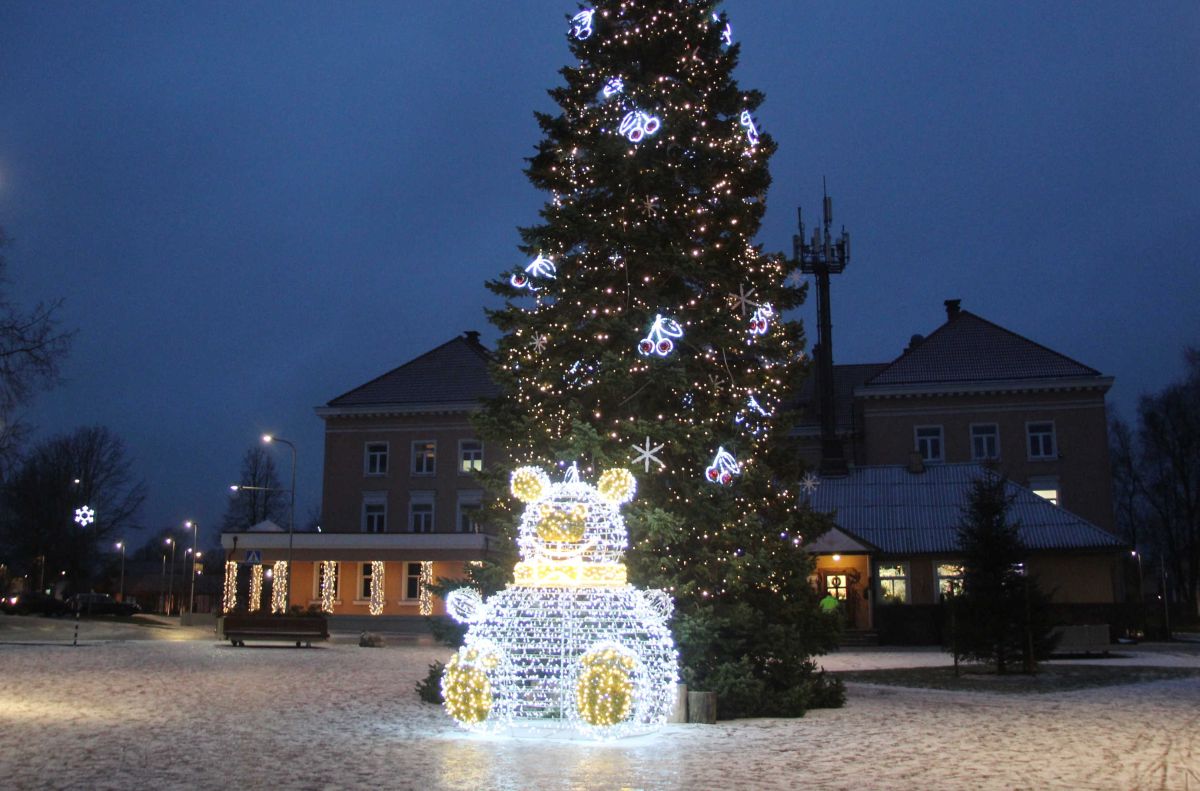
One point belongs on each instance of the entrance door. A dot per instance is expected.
(843, 584)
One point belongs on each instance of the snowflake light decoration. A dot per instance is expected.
(648, 454)
(570, 645)
(84, 516)
(795, 279)
(539, 343)
(742, 301)
(809, 483)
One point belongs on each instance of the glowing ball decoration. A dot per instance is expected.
(570, 645)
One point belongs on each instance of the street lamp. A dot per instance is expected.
(121, 546)
(171, 576)
(192, 596)
(268, 438)
(1141, 610)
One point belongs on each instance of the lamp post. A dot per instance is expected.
(268, 438)
(162, 584)
(192, 596)
(1141, 592)
(121, 546)
(171, 576)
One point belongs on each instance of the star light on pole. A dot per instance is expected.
(85, 516)
(648, 453)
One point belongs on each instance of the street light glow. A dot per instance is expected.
(268, 438)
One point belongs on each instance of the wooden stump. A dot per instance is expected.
(702, 707)
(679, 711)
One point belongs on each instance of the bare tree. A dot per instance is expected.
(32, 345)
(88, 467)
(262, 498)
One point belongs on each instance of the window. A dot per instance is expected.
(319, 580)
(412, 580)
(470, 456)
(376, 460)
(949, 579)
(420, 513)
(893, 583)
(929, 442)
(469, 506)
(424, 457)
(985, 441)
(364, 586)
(374, 514)
(1041, 440)
(1045, 486)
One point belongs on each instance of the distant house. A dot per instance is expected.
(914, 433)
(399, 496)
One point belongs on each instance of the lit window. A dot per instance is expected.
(376, 462)
(412, 580)
(1041, 440)
(929, 442)
(836, 586)
(1045, 486)
(374, 517)
(893, 582)
(420, 513)
(985, 441)
(424, 457)
(320, 580)
(470, 504)
(949, 579)
(470, 454)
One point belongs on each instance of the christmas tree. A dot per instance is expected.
(645, 328)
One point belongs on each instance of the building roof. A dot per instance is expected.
(968, 348)
(906, 513)
(454, 373)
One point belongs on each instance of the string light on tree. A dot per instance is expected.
(279, 586)
(659, 339)
(424, 596)
(256, 588)
(229, 594)
(328, 585)
(375, 607)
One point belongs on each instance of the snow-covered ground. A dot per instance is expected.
(175, 709)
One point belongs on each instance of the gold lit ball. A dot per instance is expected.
(529, 484)
(617, 485)
(466, 690)
(561, 524)
(604, 692)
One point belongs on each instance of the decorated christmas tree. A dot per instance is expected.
(645, 328)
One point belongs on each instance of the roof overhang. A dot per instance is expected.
(360, 546)
(838, 541)
(976, 387)
(373, 410)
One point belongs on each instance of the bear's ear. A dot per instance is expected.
(529, 484)
(617, 485)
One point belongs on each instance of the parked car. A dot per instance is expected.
(35, 603)
(101, 604)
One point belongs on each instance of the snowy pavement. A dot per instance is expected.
(184, 711)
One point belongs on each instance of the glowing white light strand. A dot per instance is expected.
(256, 588)
(751, 130)
(614, 86)
(377, 598)
(723, 468)
(229, 597)
(637, 125)
(279, 585)
(749, 416)
(658, 340)
(85, 516)
(581, 24)
(727, 33)
(593, 657)
(538, 267)
(329, 572)
(425, 596)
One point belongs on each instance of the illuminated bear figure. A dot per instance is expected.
(570, 644)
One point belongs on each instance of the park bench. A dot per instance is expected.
(237, 629)
(1081, 639)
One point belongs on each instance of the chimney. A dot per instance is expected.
(472, 337)
(952, 308)
(913, 342)
(916, 465)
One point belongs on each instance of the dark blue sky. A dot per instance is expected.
(251, 208)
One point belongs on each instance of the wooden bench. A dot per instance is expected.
(237, 629)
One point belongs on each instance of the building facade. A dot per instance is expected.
(400, 499)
